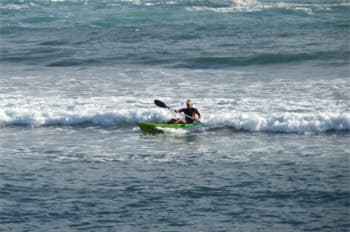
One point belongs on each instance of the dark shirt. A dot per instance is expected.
(190, 113)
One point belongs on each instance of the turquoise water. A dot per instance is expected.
(271, 80)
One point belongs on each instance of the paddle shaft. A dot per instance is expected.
(163, 105)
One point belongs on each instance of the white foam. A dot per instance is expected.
(13, 6)
(127, 117)
(287, 122)
(174, 131)
(281, 105)
(36, 111)
(37, 119)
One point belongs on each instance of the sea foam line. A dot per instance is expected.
(239, 6)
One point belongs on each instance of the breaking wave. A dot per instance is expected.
(286, 122)
(251, 122)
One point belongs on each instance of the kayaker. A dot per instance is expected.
(190, 114)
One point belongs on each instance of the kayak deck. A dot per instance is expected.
(157, 127)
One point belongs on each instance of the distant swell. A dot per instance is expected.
(250, 122)
(258, 59)
(50, 58)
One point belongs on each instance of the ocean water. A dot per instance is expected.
(270, 78)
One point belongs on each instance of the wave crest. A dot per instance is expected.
(250, 122)
(38, 119)
(285, 123)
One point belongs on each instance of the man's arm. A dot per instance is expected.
(199, 115)
(179, 111)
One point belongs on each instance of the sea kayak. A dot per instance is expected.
(157, 127)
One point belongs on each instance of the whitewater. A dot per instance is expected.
(270, 78)
(280, 105)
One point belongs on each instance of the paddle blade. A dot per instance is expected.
(160, 104)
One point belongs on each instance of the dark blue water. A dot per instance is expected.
(271, 80)
(86, 180)
(191, 34)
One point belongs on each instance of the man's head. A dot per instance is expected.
(189, 103)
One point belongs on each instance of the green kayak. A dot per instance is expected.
(157, 127)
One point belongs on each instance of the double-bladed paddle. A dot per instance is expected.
(163, 105)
